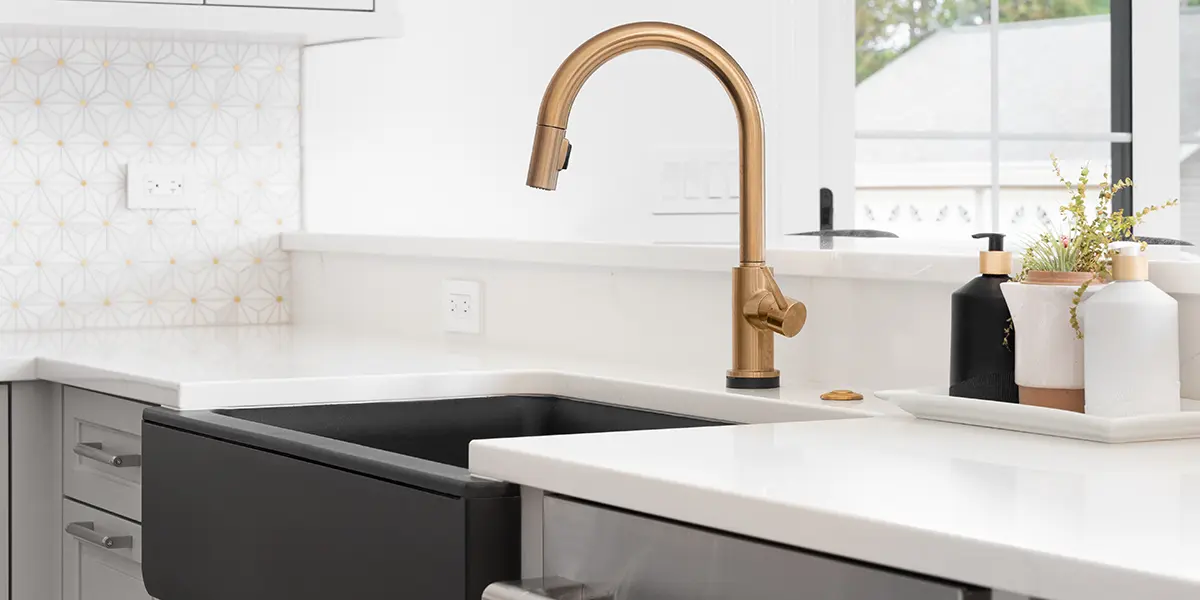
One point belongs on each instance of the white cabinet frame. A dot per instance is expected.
(1156, 113)
(276, 21)
(309, 4)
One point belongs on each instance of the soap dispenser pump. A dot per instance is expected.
(1130, 342)
(981, 362)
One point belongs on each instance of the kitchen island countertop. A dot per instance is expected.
(1047, 517)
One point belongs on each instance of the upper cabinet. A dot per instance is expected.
(296, 21)
(318, 4)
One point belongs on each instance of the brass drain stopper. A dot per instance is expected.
(842, 396)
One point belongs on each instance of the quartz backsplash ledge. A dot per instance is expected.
(75, 112)
(1175, 269)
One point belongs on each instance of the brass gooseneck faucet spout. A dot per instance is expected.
(759, 307)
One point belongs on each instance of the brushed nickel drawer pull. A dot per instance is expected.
(95, 451)
(86, 531)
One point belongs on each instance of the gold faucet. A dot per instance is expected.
(759, 307)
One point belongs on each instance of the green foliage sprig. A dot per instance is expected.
(1085, 246)
(1049, 251)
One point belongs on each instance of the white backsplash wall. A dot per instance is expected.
(872, 334)
(866, 334)
(74, 112)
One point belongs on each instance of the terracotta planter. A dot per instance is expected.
(1049, 355)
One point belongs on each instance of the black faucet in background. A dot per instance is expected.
(826, 209)
(826, 231)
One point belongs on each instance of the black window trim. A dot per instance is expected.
(1121, 25)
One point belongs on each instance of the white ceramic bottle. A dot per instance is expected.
(1131, 342)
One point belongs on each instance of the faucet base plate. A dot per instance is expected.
(751, 383)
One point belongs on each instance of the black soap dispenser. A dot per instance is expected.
(981, 364)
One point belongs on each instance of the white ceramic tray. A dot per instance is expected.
(938, 405)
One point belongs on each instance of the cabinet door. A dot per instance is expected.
(97, 430)
(92, 571)
(35, 478)
(322, 4)
(5, 506)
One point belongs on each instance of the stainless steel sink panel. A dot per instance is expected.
(627, 556)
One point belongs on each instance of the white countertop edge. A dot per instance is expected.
(196, 369)
(909, 261)
(137, 387)
(732, 406)
(960, 559)
(18, 368)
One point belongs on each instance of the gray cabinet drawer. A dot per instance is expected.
(102, 449)
(92, 571)
(640, 558)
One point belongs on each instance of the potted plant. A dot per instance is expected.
(1059, 270)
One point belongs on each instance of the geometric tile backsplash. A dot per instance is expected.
(75, 111)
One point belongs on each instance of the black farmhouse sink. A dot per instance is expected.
(359, 501)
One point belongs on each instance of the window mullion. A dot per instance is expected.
(836, 87)
(994, 141)
(1121, 56)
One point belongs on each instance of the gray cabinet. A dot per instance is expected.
(102, 451)
(628, 556)
(101, 454)
(102, 555)
(5, 493)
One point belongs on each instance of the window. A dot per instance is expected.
(960, 103)
(1189, 120)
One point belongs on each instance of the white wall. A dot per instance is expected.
(860, 334)
(430, 134)
(867, 334)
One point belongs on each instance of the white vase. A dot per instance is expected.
(1049, 353)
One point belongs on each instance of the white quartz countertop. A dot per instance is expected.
(203, 368)
(1047, 517)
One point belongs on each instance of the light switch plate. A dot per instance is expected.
(698, 181)
(462, 306)
(162, 186)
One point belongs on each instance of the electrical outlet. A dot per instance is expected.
(462, 306)
(160, 186)
(166, 186)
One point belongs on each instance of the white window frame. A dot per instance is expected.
(1155, 135)
(1156, 113)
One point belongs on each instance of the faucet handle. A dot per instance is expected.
(566, 154)
(763, 311)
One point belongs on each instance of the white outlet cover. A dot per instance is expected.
(462, 306)
(162, 186)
